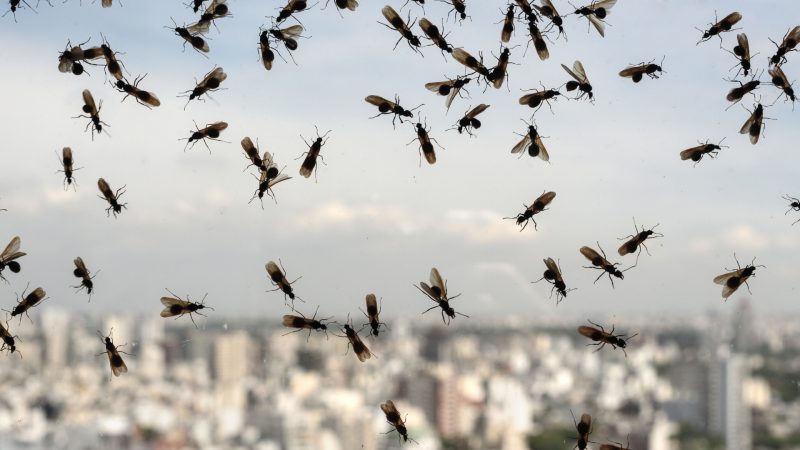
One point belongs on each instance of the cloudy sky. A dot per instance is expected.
(376, 221)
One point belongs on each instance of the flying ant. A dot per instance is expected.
(469, 61)
(437, 291)
(532, 141)
(425, 143)
(344, 4)
(310, 162)
(267, 54)
(584, 428)
(780, 81)
(742, 52)
(268, 177)
(142, 97)
(538, 205)
(469, 122)
(92, 113)
(450, 88)
(603, 337)
(458, 10)
(210, 83)
(393, 417)
(197, 42)
(498, 73)
(389, 107)
(596, 12)
(118, 366)
(177, 307)
(288, 36)
(251, 153)
(536, 98)
(790, 40)
(754, 125)
(14, 5)
(733, 279)
(696, 153)
(10, 253)
(67, 166)
(549, 10)
(580, 80)
(113, 66)
(210, 131)
(303, 323)
(111, 197)
(536, 37)
(636, 72)
(636, 241)
(292, 6)
(27, 302)
(602, 263)
(736, 94)
(70, 59)
(721, 26)
(526, 10)
(373, 315)
(396, 23)
(794, 205)
(278, 279)
(216, 10)
(508, 24)
(83, 273)
(196, 5)
(8, 339)
(553, 276)
(359, 348)
(432, 32)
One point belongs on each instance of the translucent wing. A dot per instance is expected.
(522, 144)
(722, 279)
(427, 290)
(543, 155)
(372, 307)
(219, 126)
(436, 279)
(361, 350)
(623, 249)
(391, 15)
(633, 70)
(217, 74)
(552, 267)
(580, 79)
(605, 4)
(690, 152)
(741, 39)
(550, 5)
(169, 303)
(791, 37)
(580, 71)
(546, 198)
(380, 101)
(274, 271)
(80, 265)
(477, 110)
(88, 100)
(435, 86)
(278, 179)
(267, 160)
(11, 248)
(105, 189)
(589, 332)
(590, 254)
(293, 31)
(731, 19)
(120, 368)
(598, 24)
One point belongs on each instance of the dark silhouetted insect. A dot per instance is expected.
(113, 66)
(344, 4)
(27, 302)
(276, 275)
(373, 315)
(790, 40)
(354, 340)
(584, 428)
(696, 153)
(267, 54)
(196, 5)
(197, 42)
(303, 323)
(118, 366)
(390, 107)
(70, 59)
(92, 113)
(794, 205)
(393, 417)
(292, 6)
(470, 62)
(532, 142)
(177, 307)
(216, 10)
(9, 344)
(742, 52)
(603, 337)
(142, 97)
(111, 197)
(425, 143)
(638, 71)
(210, 131)
(549, 10)
(288, 36)
(396, 23)
(526, 10)
(553, 276)
(754, 125)
(508, 24)
(67, 164)
(580, 80)
(596, 12)
(635, 241)
(437, 291)
(721, 26)
(780, 81)
(210, 83)
(251, 153)
(499, 73)
(449, 88)
(310, 162)
(10, 253)
(538, 41)
(733, 279)
(736, 94)
(86, 277)
(268, 177)
(538, 205)
(469, 122)
(435, 35)
(602, 263)
(458, 10)
(537, 98)
(14, 5)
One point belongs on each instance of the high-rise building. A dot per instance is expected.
(728, 413)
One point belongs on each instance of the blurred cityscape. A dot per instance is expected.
(706, 382)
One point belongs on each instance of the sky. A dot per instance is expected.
(376, 220)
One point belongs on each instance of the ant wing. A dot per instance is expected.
(545, 157)
(553, 267)
(274, 271)
(293, 31)
(118, 369)
(391, 15)
(436, 279)
(372, 307)
(88, 100)
(572, 74)
(216, 74)
(380, 101)
(633, 70)
(723, 279)
(219, 126)
(169, 303)
(741, 39)
(278, 179)
(598, 24)
(731, 19)
(547, 197)
(80, 265)
(477, 110)
(604, 4)
(689, 153)
(588, 331)
(522, 144)
(11, 249)
(427, 290)
(591, 254)
(435, 86)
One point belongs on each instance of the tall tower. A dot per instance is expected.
(729, 416)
